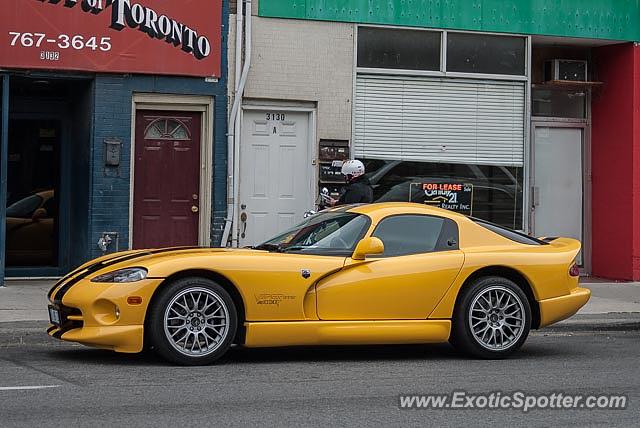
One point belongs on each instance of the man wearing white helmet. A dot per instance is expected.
(358, 190)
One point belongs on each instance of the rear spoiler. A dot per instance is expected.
(570, 245)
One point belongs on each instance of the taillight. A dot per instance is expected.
(574, 270)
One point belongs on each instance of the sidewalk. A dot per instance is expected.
(26, 300)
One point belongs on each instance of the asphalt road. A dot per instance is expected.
(355, 386)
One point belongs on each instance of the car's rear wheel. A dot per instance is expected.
(492, 318)
(192, 321)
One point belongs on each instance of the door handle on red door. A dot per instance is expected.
(194, 209)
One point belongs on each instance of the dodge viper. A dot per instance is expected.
(387, 273)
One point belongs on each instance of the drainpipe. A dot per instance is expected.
(4, 152)
(233, 147)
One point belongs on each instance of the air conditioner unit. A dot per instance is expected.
(565, 69)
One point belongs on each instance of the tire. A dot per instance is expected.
(492, 318)
(192, 322)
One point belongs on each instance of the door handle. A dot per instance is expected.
(194, 209)
(243, 219)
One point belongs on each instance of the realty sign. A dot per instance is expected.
(449, 196)
(123, 36)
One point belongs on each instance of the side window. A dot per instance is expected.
(413, 234)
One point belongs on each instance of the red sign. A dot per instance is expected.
(179, 37)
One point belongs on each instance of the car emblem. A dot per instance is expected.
(306, 273)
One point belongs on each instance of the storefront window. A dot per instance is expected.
(32, 207)
(497, 190)
(488, 54)
(559, 103)
(398, 49)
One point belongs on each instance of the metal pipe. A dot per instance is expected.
(4, 153)
(233, 125)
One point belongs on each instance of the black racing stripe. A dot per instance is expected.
(106, 263)
(75, 272)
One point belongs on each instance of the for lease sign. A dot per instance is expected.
(127, 36)
(450, 196)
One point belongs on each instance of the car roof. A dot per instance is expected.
(383, 209)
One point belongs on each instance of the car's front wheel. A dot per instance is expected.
(492, 318)
(192, 321)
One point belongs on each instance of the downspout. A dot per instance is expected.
(234, 125)
(4, 150)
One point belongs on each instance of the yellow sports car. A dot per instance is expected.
(384, 273)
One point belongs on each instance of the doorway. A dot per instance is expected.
(33, 189)
(49, 140)
(558, 182)
(166, 191)
(276, 176)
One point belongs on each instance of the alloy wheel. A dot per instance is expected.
(497, 318)
(196, 321)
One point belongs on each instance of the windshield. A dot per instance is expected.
(331, 233)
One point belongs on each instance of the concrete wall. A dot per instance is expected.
(297, 60)
(615, 157)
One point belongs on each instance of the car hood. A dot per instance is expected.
(142, 257)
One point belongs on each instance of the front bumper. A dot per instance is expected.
(99, 314)
(560, 308)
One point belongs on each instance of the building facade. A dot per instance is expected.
(527, 109)
(114, 129)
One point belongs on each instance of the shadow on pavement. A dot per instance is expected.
(241, 355)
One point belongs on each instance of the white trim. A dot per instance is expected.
(191, 103)
(510, 77)
(586, 179)
(354, 77)
(400, 72)
(526, 212)
(443, 51)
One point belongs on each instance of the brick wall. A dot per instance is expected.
(110, 187)
(302, 61)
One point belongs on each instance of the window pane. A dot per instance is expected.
(510, 234)
(497, 190)
(409, 234)
(558, 103)
(32, 203)
(398, 49)
(477, 53)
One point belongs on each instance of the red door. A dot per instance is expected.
(166, 194)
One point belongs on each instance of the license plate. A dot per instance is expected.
(54, 315)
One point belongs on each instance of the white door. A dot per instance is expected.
(275, 173)
(558, 182)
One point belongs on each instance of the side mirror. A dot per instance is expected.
(39, 214)
(368, 247)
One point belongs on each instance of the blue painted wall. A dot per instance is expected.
(110, 188)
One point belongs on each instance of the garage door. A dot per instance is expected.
(440, 120)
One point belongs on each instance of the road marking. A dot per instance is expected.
(14, 388)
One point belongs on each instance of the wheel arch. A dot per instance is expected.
(511, 274)
(219, 279)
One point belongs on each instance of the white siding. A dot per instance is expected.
(440, 120)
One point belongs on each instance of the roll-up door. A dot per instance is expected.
(440, 120)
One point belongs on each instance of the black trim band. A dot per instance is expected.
(106, 263)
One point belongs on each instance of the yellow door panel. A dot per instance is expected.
(276, 288)
(403, 287)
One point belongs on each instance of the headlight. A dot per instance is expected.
(122, 275)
